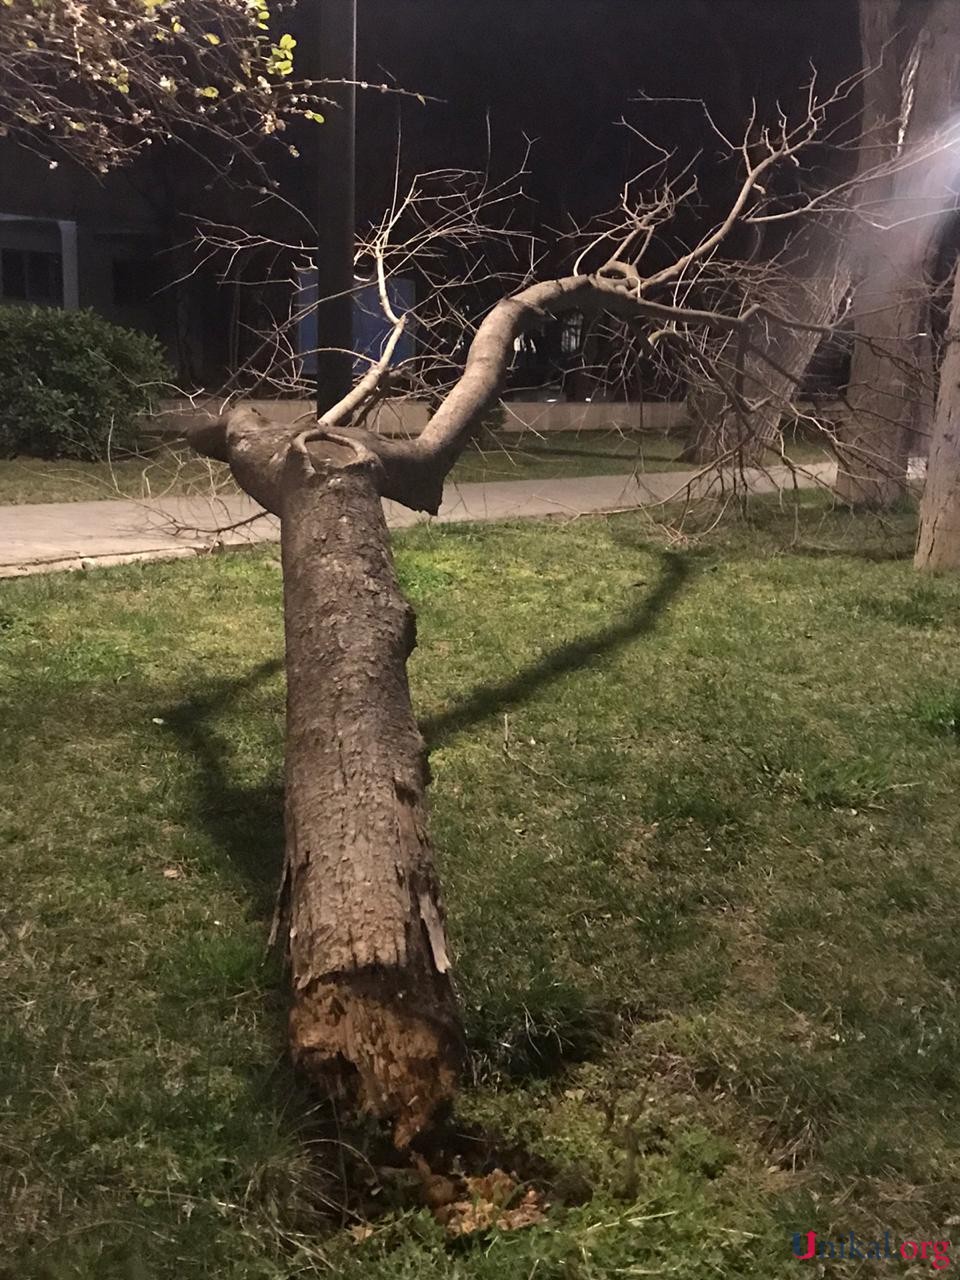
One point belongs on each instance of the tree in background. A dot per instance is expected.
(865, 254)
(938, 544)
(916, 48)
(101, 80)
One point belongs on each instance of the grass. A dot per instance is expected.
(695, 811)
(515, 457)
(561, 454)
(166, 471)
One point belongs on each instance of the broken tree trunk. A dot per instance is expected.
(373, 1014)
(373, 1006)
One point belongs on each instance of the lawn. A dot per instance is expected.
(560, 454)
(695, 808)
(162, 472)
(514, 457)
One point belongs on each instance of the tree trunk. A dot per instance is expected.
(812, 293)
(888, 376)
(881, 396)
(708, 409)
(938, 545)
(812, 289)
(373, 1011)
(818, 275)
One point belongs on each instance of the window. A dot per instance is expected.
(27, 275)
(571, 335)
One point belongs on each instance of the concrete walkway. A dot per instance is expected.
(82, 535)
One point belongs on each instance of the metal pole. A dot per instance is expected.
(336, 220)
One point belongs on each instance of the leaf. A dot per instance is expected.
(497, 1187)
(486, 1207)
(528, 1213)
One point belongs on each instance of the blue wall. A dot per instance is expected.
(370, 327)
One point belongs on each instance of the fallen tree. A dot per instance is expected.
(373, 1007)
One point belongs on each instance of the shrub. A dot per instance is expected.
(72, 384)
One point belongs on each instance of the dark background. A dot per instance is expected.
(561, 73)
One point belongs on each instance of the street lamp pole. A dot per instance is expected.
(336, 28)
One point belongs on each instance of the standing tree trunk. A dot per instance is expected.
(882, 392)
(709, 411)
(872, 463)
(888, 377)
(811, 291)
(938, 545)
(818, 271)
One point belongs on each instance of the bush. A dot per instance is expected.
(71, 384)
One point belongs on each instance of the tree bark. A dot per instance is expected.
(888, 387)
(881, 394)
(938, 544)
(815, 282)
(708, 409)
(373, 1012)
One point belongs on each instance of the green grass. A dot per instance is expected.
(514, 457)
(560, 454)
(695, 812)
(166, 471)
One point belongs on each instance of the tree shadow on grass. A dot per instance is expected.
(488, 699)
(246, 822)
(552, 451)
(877, 555)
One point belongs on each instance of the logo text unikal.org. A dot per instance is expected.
(851, 1247)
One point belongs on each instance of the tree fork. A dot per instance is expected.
(374, 1014)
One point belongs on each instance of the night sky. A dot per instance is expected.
(564, 72)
